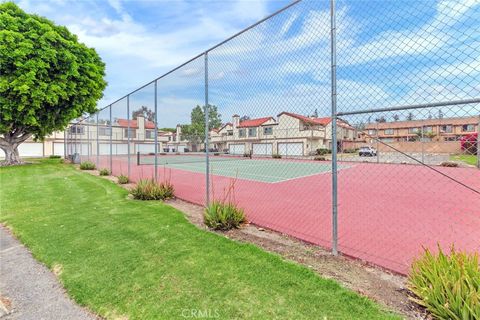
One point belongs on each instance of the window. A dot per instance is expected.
(252, 132)
(413, 130)
(446, 128)
(241, 133)
(372, 132)
(387, 139)
(267, 131)
(388, 131)
(229, 132)
(428, 129)
(468, 128)
(150, 134)
(133, 133)
(76, 129)
(104, 131)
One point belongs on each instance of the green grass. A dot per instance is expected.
(144, 260)
(467, 158)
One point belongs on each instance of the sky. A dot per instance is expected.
(389, 53)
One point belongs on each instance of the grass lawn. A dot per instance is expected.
(467, 158)
(144, 260)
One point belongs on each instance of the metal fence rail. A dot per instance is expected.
(338, 118)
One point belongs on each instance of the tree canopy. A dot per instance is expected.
(195, 131)
(145, 112)
(47, 78)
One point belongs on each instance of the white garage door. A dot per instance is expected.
(80, 148)
(290, 149)
(262, 149)
(236, 149)
(31, 150)
(58, 149)
(120, 148)
(104, 149)
(145, 148)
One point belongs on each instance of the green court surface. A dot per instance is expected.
(263, 170)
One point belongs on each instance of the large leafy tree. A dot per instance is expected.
(145, 112)
(195, 131)
(47, 78)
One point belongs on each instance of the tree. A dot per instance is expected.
(195, 131)
(410, 116)
(244, 118)
(145, 112)
(396, 117)
(381, 119)
(47, 78)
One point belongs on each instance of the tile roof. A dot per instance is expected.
(321, 121)
(424, 122)
(134, 124)
(254, 122)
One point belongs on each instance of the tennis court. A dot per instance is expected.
(257, 169)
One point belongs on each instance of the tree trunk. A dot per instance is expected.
(11, 155)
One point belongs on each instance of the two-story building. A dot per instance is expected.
(288, 134)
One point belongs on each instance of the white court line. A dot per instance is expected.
(227, 173)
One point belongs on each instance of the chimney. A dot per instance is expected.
(179, 133)
(141, 124)
(235, 120)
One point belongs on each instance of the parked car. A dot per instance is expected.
(367, 152)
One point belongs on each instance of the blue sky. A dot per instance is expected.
(389, 53)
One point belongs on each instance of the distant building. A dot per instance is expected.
(289, 134)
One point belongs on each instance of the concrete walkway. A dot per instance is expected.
(28, 289)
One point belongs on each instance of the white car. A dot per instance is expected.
(367, 152)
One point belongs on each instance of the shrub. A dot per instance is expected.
(469, 143)
(350, 150)
(276, 156)
(223, 216)
(449, 164)
(122, 179)
(87, 165)
(323, 151)
(447, 285)
(317, 158)
(54, 156)
(104, 172)
(148, 189)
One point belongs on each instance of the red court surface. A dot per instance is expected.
(386, 212)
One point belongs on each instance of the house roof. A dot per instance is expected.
(254, 122)
(320, 121)
(423, 122)
(134, 123)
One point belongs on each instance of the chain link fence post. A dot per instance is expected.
(156, 131)
(128, 137)
(207, 160)
(111, 134)
(334, 129)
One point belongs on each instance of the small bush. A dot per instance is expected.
(350, 150)
(247, 155)
(104, 172)
(447, 285)
(87, 165)
(323, 151)
(122, 179)
(449, 164)
(276, 156)
(318, 158)
(54, 156)
(148, 189)
(223, 216)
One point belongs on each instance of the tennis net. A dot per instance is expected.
(186, 157)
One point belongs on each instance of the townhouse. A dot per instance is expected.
(288, 134)
(441, 130)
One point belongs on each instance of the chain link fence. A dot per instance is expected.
(352, 125)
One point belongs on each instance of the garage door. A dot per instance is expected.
(236, 149)
(120, 148)
(31, 150)
(80, 148)
(290, 149)
(104, 149)
(145, 148)
(58, 149)
(262, 149)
